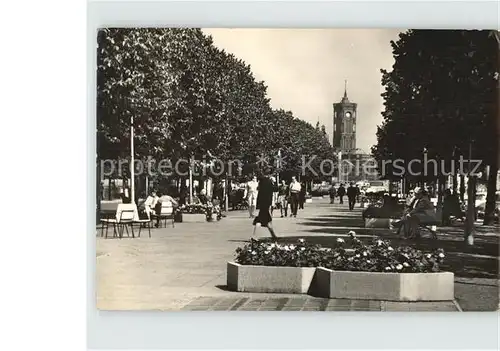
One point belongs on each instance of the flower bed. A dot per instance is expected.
(349, 254)
(194, 209)
(351, 269)
(192, 212)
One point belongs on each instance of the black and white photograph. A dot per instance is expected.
(254, 169)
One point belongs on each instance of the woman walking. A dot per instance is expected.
(264, 203)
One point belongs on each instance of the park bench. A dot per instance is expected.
(427, 225)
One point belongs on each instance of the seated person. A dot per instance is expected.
(451, 207)
(217, 208)
(163, 199)
(203, 198)
(150, 202)
(423, 212)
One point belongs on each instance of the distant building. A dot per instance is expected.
(356, 164)
(344, 125)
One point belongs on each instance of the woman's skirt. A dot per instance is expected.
(264, 218)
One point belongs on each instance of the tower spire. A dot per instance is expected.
(345, 99)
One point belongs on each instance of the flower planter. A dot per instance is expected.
(385, 286)
(194, 218)
(266, 279)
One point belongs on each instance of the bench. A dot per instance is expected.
(428, 225)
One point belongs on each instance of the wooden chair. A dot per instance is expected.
(167, 213)
(125, 216)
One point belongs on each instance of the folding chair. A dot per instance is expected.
(167, 213)
(144, 221)
(125, 215)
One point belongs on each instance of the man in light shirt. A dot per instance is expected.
(251, 195)
(151, 202)
(295, 188)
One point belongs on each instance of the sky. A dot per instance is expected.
(305, 70)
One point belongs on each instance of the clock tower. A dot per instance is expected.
(344, 125)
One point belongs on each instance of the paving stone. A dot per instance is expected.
(239, 303)
(292, 308)
(296, 302)
(339, 305)
(362, 305)
(220, 308)
(227, 302)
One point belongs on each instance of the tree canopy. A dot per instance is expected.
(441, 95)
(189, 99)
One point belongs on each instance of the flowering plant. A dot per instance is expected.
(194, 209)
(349, 254)
(380, 256)
(260, 253)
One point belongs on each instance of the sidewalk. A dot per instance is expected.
(185, 267)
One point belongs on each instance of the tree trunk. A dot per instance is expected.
(471, 213)
(462, 187)
(455, 183)
(489, 210)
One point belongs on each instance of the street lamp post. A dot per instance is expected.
(424, 154)
(132, 161)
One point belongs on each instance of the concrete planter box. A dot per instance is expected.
(194, 218)
(385, 286)
(266, 279)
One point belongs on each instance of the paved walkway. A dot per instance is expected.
(185, 267)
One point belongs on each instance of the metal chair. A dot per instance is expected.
(125, 215)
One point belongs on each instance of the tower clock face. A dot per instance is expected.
(348, 115)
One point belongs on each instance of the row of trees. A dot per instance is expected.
(190, 99)
(442, 97)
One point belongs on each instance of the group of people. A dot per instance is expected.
(283, 195)
(154, 202)
(352, 193)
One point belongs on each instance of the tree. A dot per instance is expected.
(440, 81)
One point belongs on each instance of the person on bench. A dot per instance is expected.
(451, 207)
(423, 212)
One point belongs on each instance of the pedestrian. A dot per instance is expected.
(358, 193)
(251, 194)
(302, 195)
(283, 194)
(275, 194)
(295, 189)
(125, 193)
(351, 196)
(333, 192)
(264, 203)
(341, 193)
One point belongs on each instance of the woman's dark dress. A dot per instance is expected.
(264, 202)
